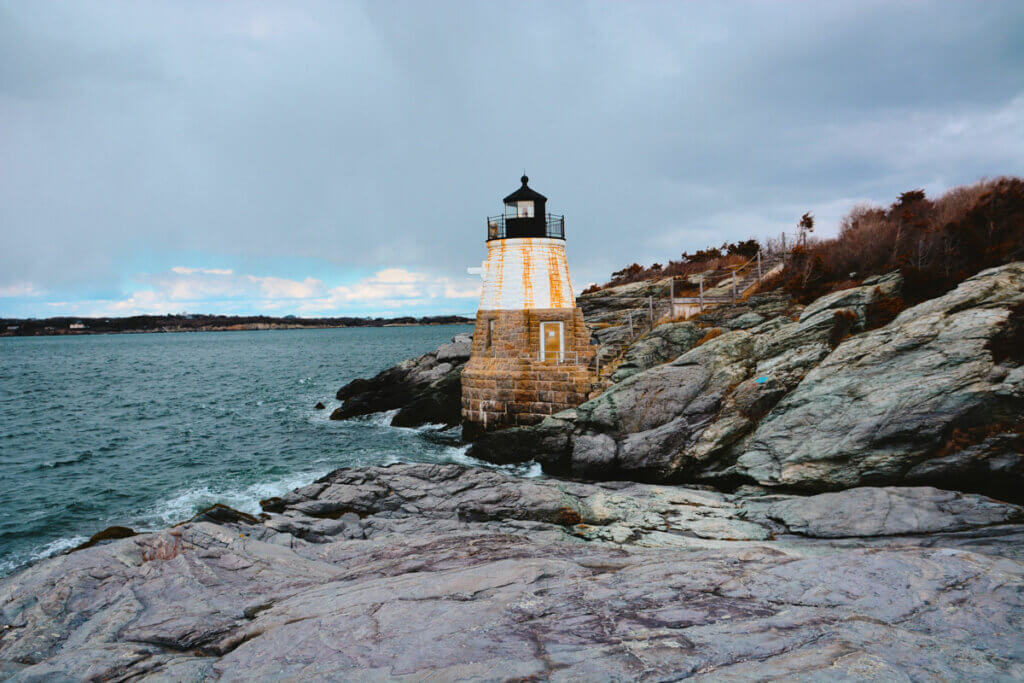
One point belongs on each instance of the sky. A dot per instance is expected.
(340, 158)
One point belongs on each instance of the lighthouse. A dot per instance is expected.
(531, 350)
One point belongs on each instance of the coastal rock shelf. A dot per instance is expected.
(445, 572)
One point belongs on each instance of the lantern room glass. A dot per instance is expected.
(521, 209)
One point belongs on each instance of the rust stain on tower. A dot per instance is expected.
(555, 275)
(531, 350)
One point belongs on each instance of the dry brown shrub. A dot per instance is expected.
(934, 244)
(884, 309)
(709, 335)
(711, 259)
(845, 319)
(1008, 344)
(966, 436)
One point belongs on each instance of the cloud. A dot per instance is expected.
(368, 136)
(185, 284)
(216, 290)
(19, 289)
(182, 270)
(141, 303)
(282, 288)
(393, 288)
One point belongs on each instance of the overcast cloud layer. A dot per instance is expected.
(340, 158)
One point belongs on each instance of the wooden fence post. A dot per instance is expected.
(701, 304)
(650, 307)
(672, 297)
(758, 265)
(734, 286)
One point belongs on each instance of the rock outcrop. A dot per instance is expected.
(442, 572)
(424, 390)
(822, 402)
(664, 343)
(884, 406)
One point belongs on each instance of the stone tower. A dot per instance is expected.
(531, 350)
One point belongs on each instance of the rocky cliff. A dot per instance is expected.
(440, 572)
(826, 397)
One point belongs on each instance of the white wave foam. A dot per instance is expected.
(179, 508)
(527, 470)
(533, 470)
(429, 427)
(41, 553)
(383, 419)
(246, 499)
(457, 454)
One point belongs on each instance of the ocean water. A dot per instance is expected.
(144, 430)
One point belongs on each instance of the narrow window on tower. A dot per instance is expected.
(490, 334)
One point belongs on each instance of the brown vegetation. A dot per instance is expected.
(712, 258)
(845, 319)
(964, 437)
(1008, 344)
(934, 243)
(883, 310)
(709, 335)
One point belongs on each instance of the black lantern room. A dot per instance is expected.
(525, 216)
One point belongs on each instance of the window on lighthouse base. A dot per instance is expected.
(552, 341)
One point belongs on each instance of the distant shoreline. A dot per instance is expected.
(58, 327)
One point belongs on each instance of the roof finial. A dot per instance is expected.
(524, 178)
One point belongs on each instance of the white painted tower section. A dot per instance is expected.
(525, 273)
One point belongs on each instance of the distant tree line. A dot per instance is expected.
(157, 323)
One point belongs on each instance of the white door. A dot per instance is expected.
(552, 341)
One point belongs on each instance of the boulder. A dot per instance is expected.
(891, 511)
(861, 300)
(906, 401)
(424, 390)
(111, 533)
(664, 343)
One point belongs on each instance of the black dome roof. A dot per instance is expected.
(524, 193)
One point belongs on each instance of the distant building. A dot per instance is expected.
(76, 326)
(531, 349)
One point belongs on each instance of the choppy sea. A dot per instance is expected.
(144, 430)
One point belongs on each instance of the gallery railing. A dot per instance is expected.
(499, 227)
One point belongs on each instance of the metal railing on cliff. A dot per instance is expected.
(741, 279)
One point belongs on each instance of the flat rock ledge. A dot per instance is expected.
(442, 572)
